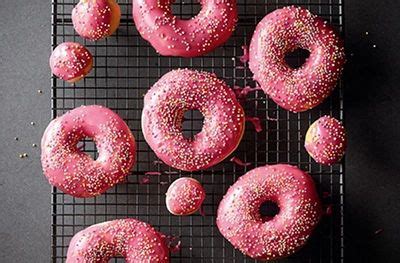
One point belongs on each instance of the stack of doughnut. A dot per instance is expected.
(239, 217)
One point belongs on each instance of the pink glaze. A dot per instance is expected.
(185, 196)
(239, 219)
(96, 19)
(282, 32)
(73, 171)
(171, 36)
(326, 140)
(132, 239)
(71, 61)
(164, 106)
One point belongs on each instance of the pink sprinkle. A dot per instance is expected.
(256, 123)
(171, 172)
(325, 194)
(201, 211)
(239, 162)
(144, 180)
(163, 183)
(152, 173)
(329, 210)
(245, 57)
(157, 162)
(378, 231)
(171, 240)
(241, 93)
(271, 119)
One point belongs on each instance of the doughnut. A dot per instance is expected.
(268, 238)
(185, 196)
(71, 61)
(171, 36)
(75, 172)
(282, 32)
(326, 140)
(132, 239)
(96, 19)
(164, 106)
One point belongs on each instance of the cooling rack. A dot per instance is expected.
(125, 67)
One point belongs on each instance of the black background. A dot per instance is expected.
(372, 208)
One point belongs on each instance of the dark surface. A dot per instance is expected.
(372, 123)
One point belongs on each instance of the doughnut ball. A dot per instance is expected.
(184, 196)
(326, 140)
(96, 19)
(71, 61)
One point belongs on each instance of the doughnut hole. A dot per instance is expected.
(268, 210)
(185, 9)
(88, 146)
(296, 58)
(192, 123)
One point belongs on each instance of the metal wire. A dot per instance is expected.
(125, 67)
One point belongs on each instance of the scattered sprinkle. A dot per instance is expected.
(34, 145)
(378, 231)
(245, 57)
(152, 173)
(237, 161)
(144, 180)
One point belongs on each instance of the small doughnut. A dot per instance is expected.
(132, 239)
(73, 171)
(171, 36)
(268, 238)
(326, 140)
(164, 106)
(185, 196)
(96, 19)
(71, 61)
(282, 32)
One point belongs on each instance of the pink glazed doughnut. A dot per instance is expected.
(73, 171)
(240, 222)
(96, 19)
(326, 140)
(71, 61)
(185, 196)
(164, 106)
(171, 36)
(132, 239)
(282, 32)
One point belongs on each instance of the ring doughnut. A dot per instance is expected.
(96, 19)
(184, 196)
(171, 36)
(136, 241)
(241, 223)
(73, 171)
(164, 106)
(71, 61)
(326, 140)
(282, 32)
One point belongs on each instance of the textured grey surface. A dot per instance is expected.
(372, 121)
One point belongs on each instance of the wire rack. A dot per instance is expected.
(125, 67)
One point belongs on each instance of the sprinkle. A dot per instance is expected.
(378, 231)
(256, 123)
(34, 145)
(237, 161)
(366, 33)
(144, 180)
(32, 123)
(245, 57)
(16, 138)
(39, 91)
(329, 210)
(374, 46)
(152, 173)
(21, 155)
